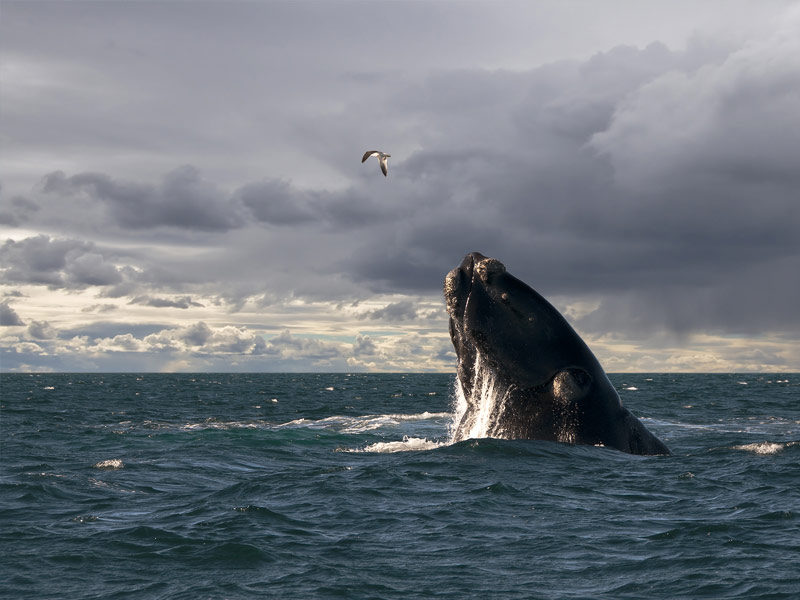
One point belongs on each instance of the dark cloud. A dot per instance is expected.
(100, 308)
(197, 334)
(647, 174)
(8, 316)
(181, 302)
(275, 202)
(596, 195)
(396, 311)
(182, 200)
(71, 264)
(41, 330)
(280, 203)
(364, 346)
(17, 211)
(291, 346)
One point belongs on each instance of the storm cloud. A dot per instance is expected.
(182, 199)
(645, 180)
(56, 263)
(8, 316)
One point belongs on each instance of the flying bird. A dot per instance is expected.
(382, 158)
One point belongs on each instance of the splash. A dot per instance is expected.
(488, 399)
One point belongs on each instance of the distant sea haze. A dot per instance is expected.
(347, 485)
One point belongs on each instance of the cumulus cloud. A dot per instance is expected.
(364, 346)
(395, 311)
(195, 335)
(197, 339)
(41, 330)
(290, 346)
(8, 316)
(56, 262)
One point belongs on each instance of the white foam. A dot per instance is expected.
(762, 447)
(408, 444)
(631, 388)
(363, 423)
(223, 425)
(112, 463)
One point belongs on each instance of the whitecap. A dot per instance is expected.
(762, 447)
(631, 388)
(363, 423)
(407, 444)
(225, 425)
(112, 463)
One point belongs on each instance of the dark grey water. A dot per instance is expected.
(344, 486)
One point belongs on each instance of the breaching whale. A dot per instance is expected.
(524, 372)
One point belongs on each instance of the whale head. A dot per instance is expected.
(546, 381)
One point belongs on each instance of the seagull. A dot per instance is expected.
(382, 157)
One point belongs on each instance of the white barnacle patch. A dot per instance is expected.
(488, 267)
(450, 286)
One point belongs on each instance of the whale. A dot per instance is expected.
(524, 373)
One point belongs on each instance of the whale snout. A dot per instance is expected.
(488, 268)
(458, 283)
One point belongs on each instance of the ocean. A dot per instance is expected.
(346, 486)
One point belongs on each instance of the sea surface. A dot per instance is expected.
(346, 486)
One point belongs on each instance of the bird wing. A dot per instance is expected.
(384, 166)
(369, 153)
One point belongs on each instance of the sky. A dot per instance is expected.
(181, 186)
